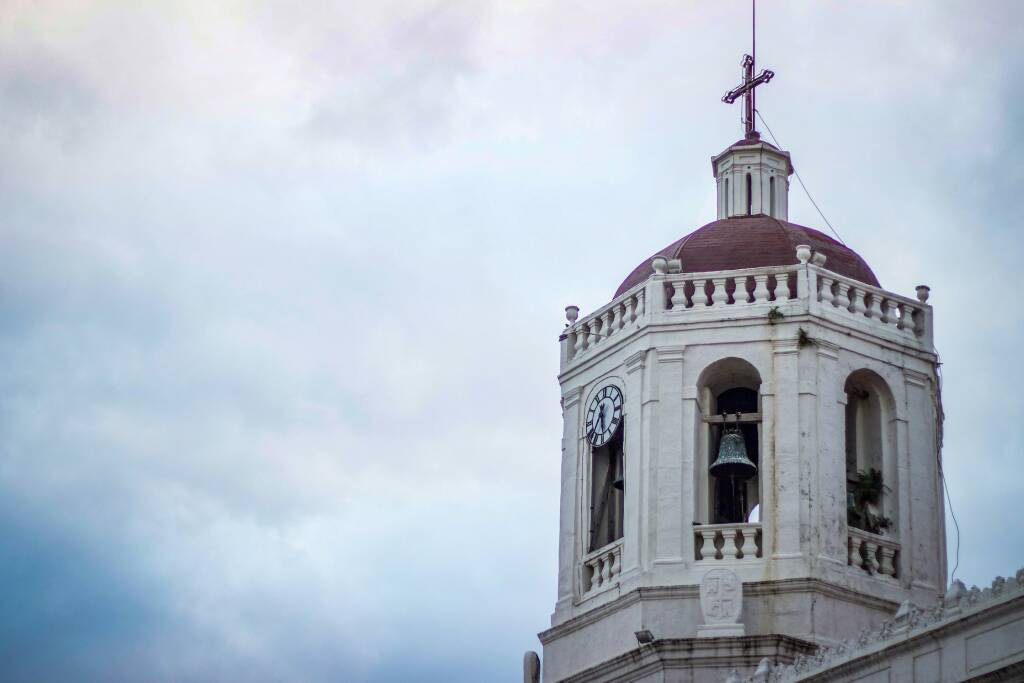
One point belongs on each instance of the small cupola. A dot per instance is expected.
(753, 178)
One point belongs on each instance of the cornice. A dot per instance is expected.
(753, 589)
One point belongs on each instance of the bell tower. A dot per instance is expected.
(751, 412)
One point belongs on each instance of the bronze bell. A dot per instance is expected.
(732, 460)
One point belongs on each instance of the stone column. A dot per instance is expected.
(636, 491)
(788, 503)
(830, 488)
(924, 550)
(669, 468)
(567, 508)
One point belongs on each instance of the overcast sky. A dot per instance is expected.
(281, 284)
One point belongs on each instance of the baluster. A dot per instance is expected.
(639, 306)
(855, 557)
(871, 555)
(825, 295)
(595, 333)
(700, 293)
(606, 569)
(891, 315)
(570, 338)
(607, 318)
(843, 296)
(719, 295)
(679, 295)
(760, 288)
(729, 543)
(887, 566)
(707, 550)
(875, 310)
(744, 290)
(906, 319)
(581, 339)
(857, 299)
(738, 539)
(627, 315)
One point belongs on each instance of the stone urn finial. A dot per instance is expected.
(803, 252)
(660, 264)
(923, 291)
(819, 258)
(572, 313)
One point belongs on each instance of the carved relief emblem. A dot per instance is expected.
(721, 597)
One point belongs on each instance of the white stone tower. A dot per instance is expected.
(830, 383)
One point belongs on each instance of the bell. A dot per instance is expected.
(732, 460)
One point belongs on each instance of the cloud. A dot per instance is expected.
(280, 291)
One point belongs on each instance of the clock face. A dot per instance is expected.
(604, 415)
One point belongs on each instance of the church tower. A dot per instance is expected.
(750, 453)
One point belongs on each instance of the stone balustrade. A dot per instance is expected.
(777, 293)
(873, 553)
(727, 541)
(617, 318)
(601, 568)
(700, 291)
(861, 301)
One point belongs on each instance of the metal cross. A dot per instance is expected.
(750, 81)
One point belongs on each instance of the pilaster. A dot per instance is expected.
(787, 491)
(567, 504)
(670, 468)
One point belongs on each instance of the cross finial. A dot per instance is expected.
(750, 82)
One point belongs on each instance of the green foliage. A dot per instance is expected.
(867, 490)
(775, 314)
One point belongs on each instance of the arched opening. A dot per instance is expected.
(750, 195)
(870, 464)
(607, 486)
(729, 395)
(771, 197)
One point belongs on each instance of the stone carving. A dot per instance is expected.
(908, 618)
(721, 602)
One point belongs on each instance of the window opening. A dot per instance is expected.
(771, 196)
(750, 195)
(607, 485)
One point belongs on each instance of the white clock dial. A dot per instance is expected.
(604, 415)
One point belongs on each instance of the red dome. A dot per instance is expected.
(752, 242)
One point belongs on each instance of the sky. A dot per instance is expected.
(281, 285)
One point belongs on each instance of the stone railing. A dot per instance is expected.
(601, 568)
(727, 541)
(671, 296)
(873, 553)
(957, 604)
(621, 316)
(864, 302)
(699, 291)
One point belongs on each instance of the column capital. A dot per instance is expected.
(671, 354)
(571, 397)
(636, 361)
(916, 378)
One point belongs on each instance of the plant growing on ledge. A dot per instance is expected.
(803, 339)
(775, 314)
(867, 491)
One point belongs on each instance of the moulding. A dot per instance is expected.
(636, 361)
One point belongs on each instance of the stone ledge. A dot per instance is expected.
(753, 589)
(710, 654)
